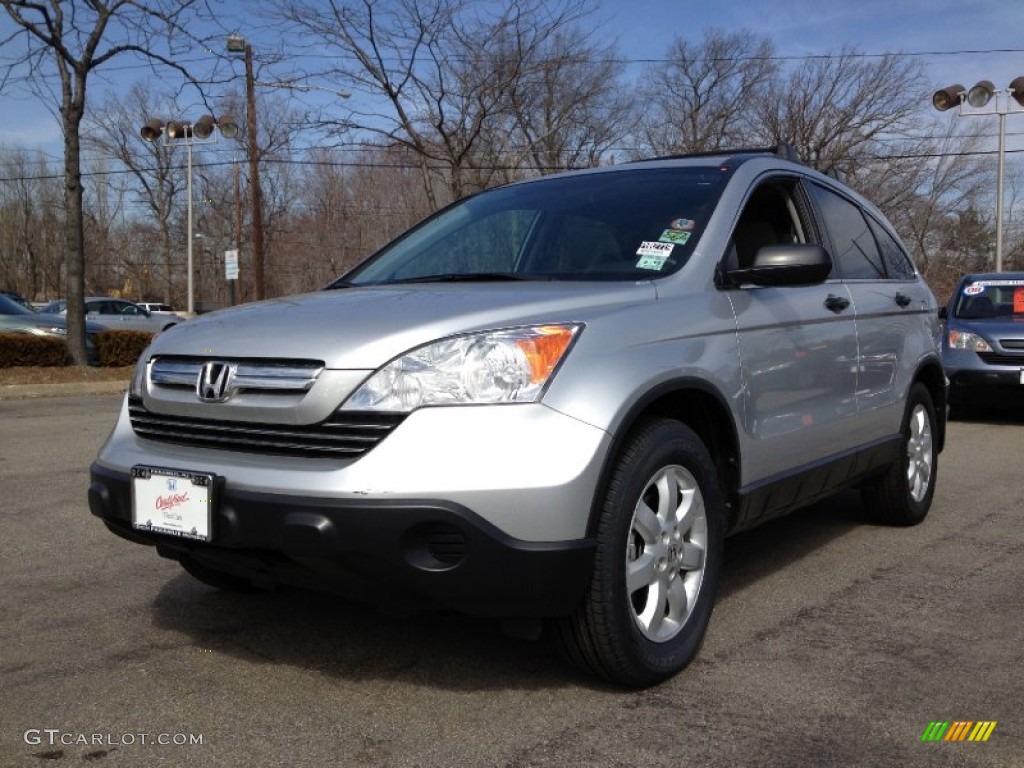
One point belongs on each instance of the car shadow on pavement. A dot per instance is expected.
(352, 641)
(761, 551)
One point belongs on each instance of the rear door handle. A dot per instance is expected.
(903, 300)
(836, 303)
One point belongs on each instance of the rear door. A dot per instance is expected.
(888, 301)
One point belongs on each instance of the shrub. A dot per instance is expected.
(119, 348)
(27, 349)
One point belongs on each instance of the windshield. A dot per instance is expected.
(620, 225)
(9, 306)
(980, 299)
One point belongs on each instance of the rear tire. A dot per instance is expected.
(658, 559)
(903, 495)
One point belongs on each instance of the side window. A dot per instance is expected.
(856, 253)
(897, 263)
(769, 217)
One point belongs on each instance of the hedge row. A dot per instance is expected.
(25, 349)
(113, 348)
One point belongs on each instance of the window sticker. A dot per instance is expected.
(674, 236)
(684, 225)
(988, 283)
(653, 255)
(1018, 301)
(974, 289)
(652, 262)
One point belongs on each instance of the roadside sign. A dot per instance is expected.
(231, 264)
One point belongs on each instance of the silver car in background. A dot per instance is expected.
(548, 403)
(119, 314)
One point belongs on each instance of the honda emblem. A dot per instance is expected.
(215, 382)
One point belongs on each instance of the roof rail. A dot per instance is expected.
(785, 151)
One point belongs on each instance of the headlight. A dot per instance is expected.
(508, 366)
(137, 387)
(965, 340)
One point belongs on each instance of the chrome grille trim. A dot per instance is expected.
(250, 375)
(341, 436)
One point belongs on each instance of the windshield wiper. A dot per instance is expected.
(468, 277)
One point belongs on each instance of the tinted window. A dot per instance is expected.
(617, 225)
(855, 251)
(994, 297)
(897, 263)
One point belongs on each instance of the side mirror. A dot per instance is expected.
(791, 264)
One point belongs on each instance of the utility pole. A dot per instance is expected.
(254, 178)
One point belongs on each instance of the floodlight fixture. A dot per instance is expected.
(1017, 90)
(203, 127)
(153, 129)
(981, 94)
(948, 97)
(228, 127)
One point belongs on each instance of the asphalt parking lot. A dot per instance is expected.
(834, 642)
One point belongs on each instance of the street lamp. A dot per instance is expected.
(237, 44)
(199, 132)
(977, 99)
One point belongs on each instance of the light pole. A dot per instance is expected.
(237, 44)
(199, 132)
(977, 98)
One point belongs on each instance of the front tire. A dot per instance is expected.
(659, 555)
(903, 495)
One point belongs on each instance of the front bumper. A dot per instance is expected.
(975, 382)
(406, 555)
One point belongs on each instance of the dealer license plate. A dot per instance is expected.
(172, 501)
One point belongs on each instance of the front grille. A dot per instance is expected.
(1012, 343)
(340, 436)
(995, 358)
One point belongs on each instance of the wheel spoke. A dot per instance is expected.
(654, 612)
(692, 507)
(646, 523)
(692, 557)
(678, 601)
(668, 493)
(641, 572)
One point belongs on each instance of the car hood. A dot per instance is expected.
(364, 327)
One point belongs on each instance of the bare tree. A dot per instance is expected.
(834, 109)
(440, 72)
(703, 98)
(75, 39)
(568, 109)
(112, 131)
(29, 213)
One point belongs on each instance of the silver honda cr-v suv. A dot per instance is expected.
(550, 401)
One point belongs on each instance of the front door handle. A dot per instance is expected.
(836, 303)
(903, 300)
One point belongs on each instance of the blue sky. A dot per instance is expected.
(942, 30)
